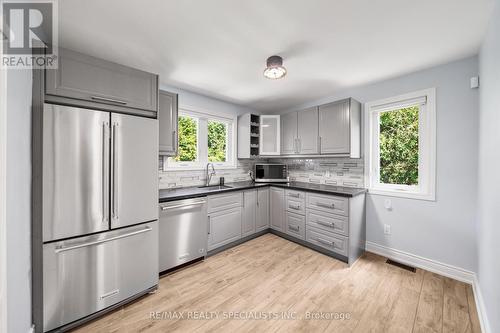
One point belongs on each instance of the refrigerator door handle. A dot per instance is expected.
(78, 246)
(114, 190)
(105, 163)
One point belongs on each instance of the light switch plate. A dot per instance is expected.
(388, 204)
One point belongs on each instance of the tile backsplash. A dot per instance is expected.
(329, 171)
(185, 178)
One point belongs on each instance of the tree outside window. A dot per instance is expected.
(399, 146)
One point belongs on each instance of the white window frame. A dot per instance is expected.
(203, 117)
(426, 188)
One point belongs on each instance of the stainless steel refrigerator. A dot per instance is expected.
(100, 211)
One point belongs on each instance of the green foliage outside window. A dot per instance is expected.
(188, 139)
(216, 141)
(399, 146)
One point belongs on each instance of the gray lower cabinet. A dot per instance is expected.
(277, 202)
(295, 225)
(249, 213)
(100, 83)
(167, 117)
(336, 224)
(224, 227)
(262, 216)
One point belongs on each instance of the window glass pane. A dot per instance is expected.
(217, 141)
(188, 139)
(399, 146)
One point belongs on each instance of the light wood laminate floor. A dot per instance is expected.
(281, 285)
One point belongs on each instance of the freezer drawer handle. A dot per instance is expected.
(111, 293)
(104, 99)
(179, 206)
(74, 247)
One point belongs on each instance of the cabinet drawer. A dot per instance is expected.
(297, 195)
(328, 203)
(327, 221)
(90, 79)
(225, 201)
(295, 225)
(326, 240)
(295, 205)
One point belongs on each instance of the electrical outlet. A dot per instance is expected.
(388, 204)
(387, 229)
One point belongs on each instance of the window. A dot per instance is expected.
(203, 138)
(402, 145)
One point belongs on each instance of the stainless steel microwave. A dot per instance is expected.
(268, 173)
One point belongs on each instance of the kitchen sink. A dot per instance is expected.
(215, 187)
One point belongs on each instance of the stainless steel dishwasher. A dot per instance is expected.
(182, 232)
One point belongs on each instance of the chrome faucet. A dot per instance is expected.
(209, 174)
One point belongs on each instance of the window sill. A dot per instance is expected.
(403, 194)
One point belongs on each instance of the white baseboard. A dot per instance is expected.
(481, 310)
(438, 268)
(421, 262)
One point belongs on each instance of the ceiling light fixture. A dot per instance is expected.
(275, 69)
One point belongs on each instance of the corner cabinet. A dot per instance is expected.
(249, 212)
(277, 202)
(167, 117)
(340, 128)
(269, 135)
(262, 216)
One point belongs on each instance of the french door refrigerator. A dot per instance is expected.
(100, 211)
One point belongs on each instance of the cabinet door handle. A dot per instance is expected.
(209, 227)
(322, 241)
(294, 195)
(294, 207)
(111, 100)
(326, 224)
(320, 204)
(319, 143)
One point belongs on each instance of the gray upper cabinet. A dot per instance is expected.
(307, 131)
(289, 133)
(262, 216)
(167, 116)
(249, 210)
(340, 128)
(87, 81)
(299, 132)
(277, 201)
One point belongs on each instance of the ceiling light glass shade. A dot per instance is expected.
(275, 69)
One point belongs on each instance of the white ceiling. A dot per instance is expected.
(219, 47)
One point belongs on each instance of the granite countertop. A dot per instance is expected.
(194, 192)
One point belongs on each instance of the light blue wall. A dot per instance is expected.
(489, 175)
(444, 230)
(200, 102)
